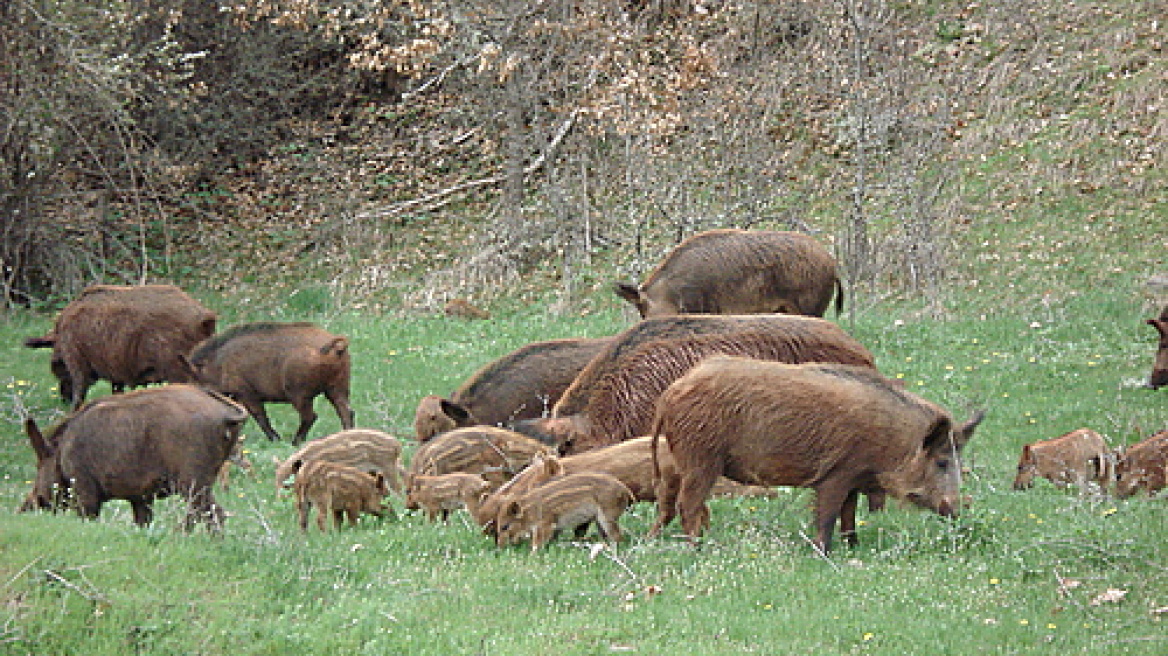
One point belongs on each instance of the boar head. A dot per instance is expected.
(1027, 468)
(50, 488)
(932, 479)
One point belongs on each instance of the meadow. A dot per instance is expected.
(1035, 572)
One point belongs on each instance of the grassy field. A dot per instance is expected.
(1043, 571)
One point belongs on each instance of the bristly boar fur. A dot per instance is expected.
(572, 502)
(837, 429)
(268, 362)
(496, 454)
(1143, 466)
(362, 448)
(338, 491)
(1159, 377)
(439, 495)
(613, 397)
(130, 336)
(731, 271)
(138, 446)
(523, 384)
(1075, 458)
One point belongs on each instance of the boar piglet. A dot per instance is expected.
(363, 448)
(496, 454)
(1076, 458)
(1143, 466)
(338, 491)
(572, 502)
(439, 495)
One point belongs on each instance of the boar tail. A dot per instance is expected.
(48, 341)
(653, 450)
(839, 297)
(336, 345)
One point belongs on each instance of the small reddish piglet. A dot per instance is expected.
(566, 502)
(1076, 458)
(439, 495)
(339, 491)
(1143, 466)
(1159, 377)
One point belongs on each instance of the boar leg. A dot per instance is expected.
(609, 527)
(256, 410)
(143, 513)
(830, 501)
(848, 518)
(340, 401)
(302, 509)
(696, 484)
(665, 489)
(307, 418)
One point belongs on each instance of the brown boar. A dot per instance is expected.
(1159, 377)
(496, 454)
(523, 384)
(130, 336)
(1076, 458)
(138, 446)
(837, 429)
(268, 362)
(439, 495)
(362, 448)
(572, 501)
(1143, 466)
(731, 271)
(338, 491)
(613, 397)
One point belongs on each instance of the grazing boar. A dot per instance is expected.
(130, 336)
(1143, 466)
(266, 362)
(496, 454)
(1076, 458)
(362, 448)
(338, 491)
(1159, 377)
(523, 384)
(439, 495)
(572, 501)
(138, 446)
(613, 397)
(731, 271)
(837, 429)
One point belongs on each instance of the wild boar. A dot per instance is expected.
(138, 446)
(1159, 377)
(613, 397)
(523, 384)
(338, 491)
(837, 429)
(439, 495)
(496, 454)
(130, 336)
(363, 448)
(266, 362)
(572, 501)
(1143, 466)
(731, 271)
(1076, 458)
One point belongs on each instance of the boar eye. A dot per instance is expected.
(943, 464)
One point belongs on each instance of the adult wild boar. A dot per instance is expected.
(613, 397)
(523, 384)
(130, 336)
(363, 448)
(1159, 377)
(1076, 458)
(731, 271)
(268, 362)
(567, 502)
(338, 491)
(138, 446)
(496, 454)
(837, 429)
(440, 495)
(1143, 466)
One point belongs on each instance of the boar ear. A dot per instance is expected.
(941, 437)
(962, 435)
(630, 293)
(40, 446)
(458, 413)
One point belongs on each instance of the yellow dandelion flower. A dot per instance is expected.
(1109, 512)
(1024, 622)
(1052, 625)
(994, 581)
(869, 636)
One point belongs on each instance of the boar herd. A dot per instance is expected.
(731, 383)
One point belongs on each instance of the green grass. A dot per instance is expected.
(1017, 573)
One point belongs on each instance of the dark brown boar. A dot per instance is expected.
(1159, 377)
(439, 495)
(338, 491)
(572, 501)
(731, 271)
(266, 362)
(1143, 466)
(363, 448)
(138, 446)
(130, 336)
(496, 454)
(613, 397)
(1076, 458)
(837, 429)
(523, 384)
